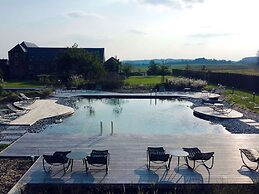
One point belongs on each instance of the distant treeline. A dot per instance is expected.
(197, 61)
(239, 81)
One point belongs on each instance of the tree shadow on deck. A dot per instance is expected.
(253, 175)
(188, 176)
(152, 176)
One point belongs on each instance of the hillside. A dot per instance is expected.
(197, 61)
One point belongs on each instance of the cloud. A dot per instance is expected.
(138, 32)
(209, 35)
(83, 14)
(172, 3)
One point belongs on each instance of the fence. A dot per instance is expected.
(239, 81)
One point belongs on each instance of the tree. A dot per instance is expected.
(164, 70)
(153, 68)
(187, 67)
(76, 61)
(127, 68)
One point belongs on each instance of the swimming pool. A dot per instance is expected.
(135, 116)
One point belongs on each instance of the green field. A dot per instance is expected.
(20, 84)
(144, 80)
(235, 68)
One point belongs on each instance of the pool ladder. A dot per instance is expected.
(101, 128)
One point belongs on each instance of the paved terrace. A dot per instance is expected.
(128, 158)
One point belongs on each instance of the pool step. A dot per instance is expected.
(250, 122)
(13, 128)
(6, 142)
(247, 120)
(253, 124)
(11, 137)
(13, 132)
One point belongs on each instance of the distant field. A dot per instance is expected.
(241, 69)
(236, 68)
(20, 84)
(144, 80)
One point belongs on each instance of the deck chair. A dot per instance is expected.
(196, 155)
(26, 99)
(157, 155)
(16, 110)
(252, 155)
(57, 159)
(224, 109)
(98, 158)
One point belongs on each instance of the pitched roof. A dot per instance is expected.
(28, 44)
(112, 59)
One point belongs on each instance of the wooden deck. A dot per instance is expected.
(128, 158)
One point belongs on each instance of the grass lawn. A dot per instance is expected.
(3, 146)
(144, 80)
(20, 84)
(243, 99)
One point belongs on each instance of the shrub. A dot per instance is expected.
(112, 81)
(1, 89)
(46, 92)
(13, 97)
(181, 83)
(77, 80)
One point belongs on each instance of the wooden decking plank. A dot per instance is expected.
(128, 158)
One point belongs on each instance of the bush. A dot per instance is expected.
(181, 83)
(1, 89)
(13, 97)
(77, 81)
(112, 81)
(46, 92)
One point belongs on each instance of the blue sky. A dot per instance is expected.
(136, 29)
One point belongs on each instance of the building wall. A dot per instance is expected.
(17, 63)
(27, 63)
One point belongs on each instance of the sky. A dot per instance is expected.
(135, 29)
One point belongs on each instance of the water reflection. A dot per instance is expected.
(114, 101)
(117, 103)
(136, 116)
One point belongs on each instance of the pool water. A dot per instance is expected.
(135, 116)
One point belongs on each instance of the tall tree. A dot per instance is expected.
(153, 68)
(164, 70)
(76, 61)
(127, 68)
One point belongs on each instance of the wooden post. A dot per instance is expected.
(111, 128)
(101, 128)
